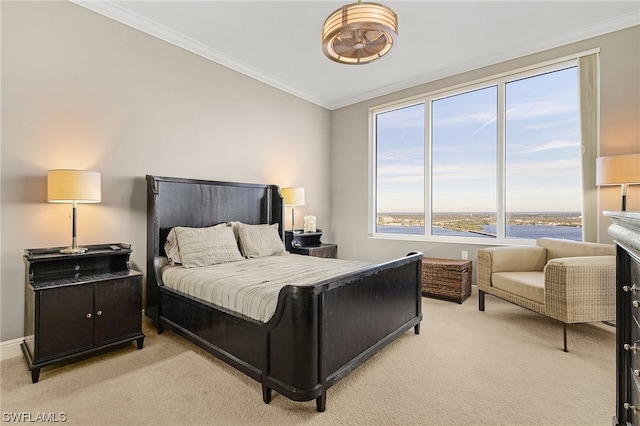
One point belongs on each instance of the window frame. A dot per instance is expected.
(499, 80)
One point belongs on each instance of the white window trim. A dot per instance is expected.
(498, 79)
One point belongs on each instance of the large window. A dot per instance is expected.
(497, 160)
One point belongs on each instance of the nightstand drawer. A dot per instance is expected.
(49, 264)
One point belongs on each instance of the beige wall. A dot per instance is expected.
(83, 91)
(620, 134)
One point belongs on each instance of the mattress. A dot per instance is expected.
(250, 287)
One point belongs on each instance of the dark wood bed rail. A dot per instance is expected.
(295, 353)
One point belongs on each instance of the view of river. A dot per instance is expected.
(513, 231)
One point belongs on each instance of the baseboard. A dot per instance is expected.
(10, 349)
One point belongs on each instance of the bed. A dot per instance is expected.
(317, 334)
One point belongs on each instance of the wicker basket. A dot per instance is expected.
(448, 279)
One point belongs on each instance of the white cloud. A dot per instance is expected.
(403, 169)
(486, 114)
(482, 117)
(541, 108)
(554, 145)
(403, 118)
(464, 171)
(492, 120)
(411, 153)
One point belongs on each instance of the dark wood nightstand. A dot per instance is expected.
(308, 244)
(76, 304)
(323, 250)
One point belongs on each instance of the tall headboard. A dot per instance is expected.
(199, 203)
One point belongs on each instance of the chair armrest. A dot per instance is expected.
(508, 259)
(581, 289)
(585, 261)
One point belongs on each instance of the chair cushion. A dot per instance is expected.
(529, 285)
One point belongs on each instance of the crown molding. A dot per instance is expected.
(124, 16)
(619, 23)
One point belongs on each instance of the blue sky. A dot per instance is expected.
(543, 149)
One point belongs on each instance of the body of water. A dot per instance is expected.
(513, 231)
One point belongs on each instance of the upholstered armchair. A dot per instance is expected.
(569, 281)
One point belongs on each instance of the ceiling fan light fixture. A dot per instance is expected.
(359, 33)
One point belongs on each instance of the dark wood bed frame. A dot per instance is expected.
(317, 335)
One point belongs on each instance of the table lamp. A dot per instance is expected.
(618, 170)
(73, 187)
(293, 197)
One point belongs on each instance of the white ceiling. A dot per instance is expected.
(278, 42)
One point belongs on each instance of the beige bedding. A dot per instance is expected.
(250, 287)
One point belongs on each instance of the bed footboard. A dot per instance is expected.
(324, 332)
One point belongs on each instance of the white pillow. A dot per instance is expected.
(260, 240)
(171, 248)
(207, 246)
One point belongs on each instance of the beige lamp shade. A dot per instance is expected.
(623, 170)
(293, 196)
(68, 186)
(618, 170)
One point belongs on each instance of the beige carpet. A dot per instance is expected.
(501, 367)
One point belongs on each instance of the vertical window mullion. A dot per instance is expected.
(501, 163)
(373, 175)
(428, 162)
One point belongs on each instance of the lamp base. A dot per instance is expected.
(74, 250)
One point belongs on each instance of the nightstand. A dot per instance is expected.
(76, 304)
(308, 244)
(323, 250)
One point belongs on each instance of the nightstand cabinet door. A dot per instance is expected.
(117, 309)
(65, 323)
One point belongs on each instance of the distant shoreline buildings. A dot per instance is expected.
(475, 221)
